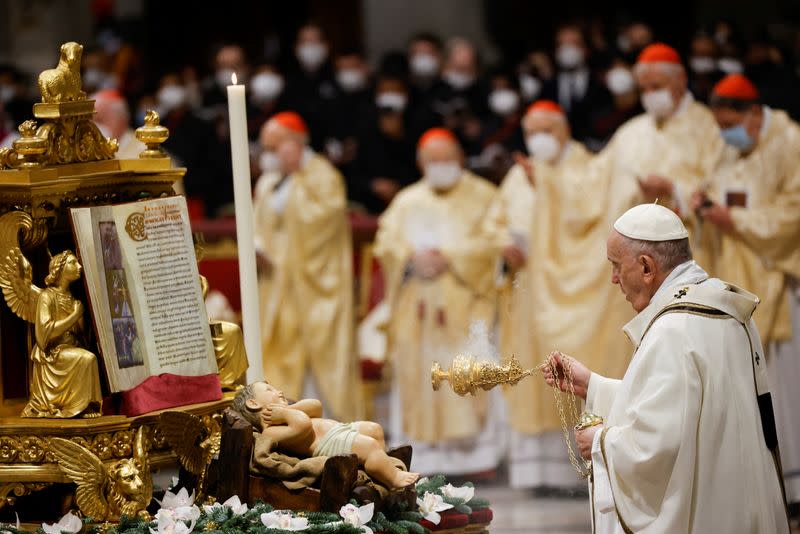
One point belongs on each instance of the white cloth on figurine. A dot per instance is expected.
(783, 365)
(684, 429)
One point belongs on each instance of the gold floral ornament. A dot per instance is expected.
(68, 133)
(194, 440)
(105, 493)
(134, 226)
(65, 381)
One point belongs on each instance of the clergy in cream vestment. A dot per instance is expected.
(305, 282)
(665, 153)
(439, 267)
(688, 440)
(753, 202)
(560, 296)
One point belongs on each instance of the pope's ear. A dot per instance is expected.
(252, 404)
(648, 265)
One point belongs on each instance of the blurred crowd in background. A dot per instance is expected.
(366, 118)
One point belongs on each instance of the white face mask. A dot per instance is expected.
(442, 175)
(569, 56)
(424, 65)
(312, 55)
(268, 161)
(223, 77)
(391, 100)
(702, 64)
(543, 146)
(170, 97)
(503, 101)
(620, 81)
(457, 80)
(659, 103)
(530, 86)
(351, 80)
(265, 87)
(730, 65)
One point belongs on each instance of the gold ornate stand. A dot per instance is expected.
(62, 161)
(27, 463)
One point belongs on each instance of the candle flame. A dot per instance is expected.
(234, 80)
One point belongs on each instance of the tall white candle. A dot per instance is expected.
(242, 196)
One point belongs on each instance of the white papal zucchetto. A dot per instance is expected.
(651, 222)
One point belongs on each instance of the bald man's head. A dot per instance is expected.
(288, 145)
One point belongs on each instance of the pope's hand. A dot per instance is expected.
(429, 264)
(579, 372)
(514, 257)
(584, 439)
(654, 187)
(274, 414)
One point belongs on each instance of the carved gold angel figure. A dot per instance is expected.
(65, 381)
(105, 493)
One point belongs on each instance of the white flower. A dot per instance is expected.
(236, 506)
(423, 480)
(465, 493)
(68, 523)
(167, 524)
(358, 516)
(181, 513)
(173, 500)
(284, 520)
(430, 505)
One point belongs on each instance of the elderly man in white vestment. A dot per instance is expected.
(439, 266)
(665, 153)
(753, 203)
(555, 290)
(688, 443)
(303, 243)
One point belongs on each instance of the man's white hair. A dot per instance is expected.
(667, 254)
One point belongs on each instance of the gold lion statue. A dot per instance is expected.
(63, 83)
(107, 493)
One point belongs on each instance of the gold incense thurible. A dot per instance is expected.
(466, 375)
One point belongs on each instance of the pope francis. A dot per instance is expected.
(688, 443)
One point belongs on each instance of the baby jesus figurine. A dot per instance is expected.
(299, 429)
